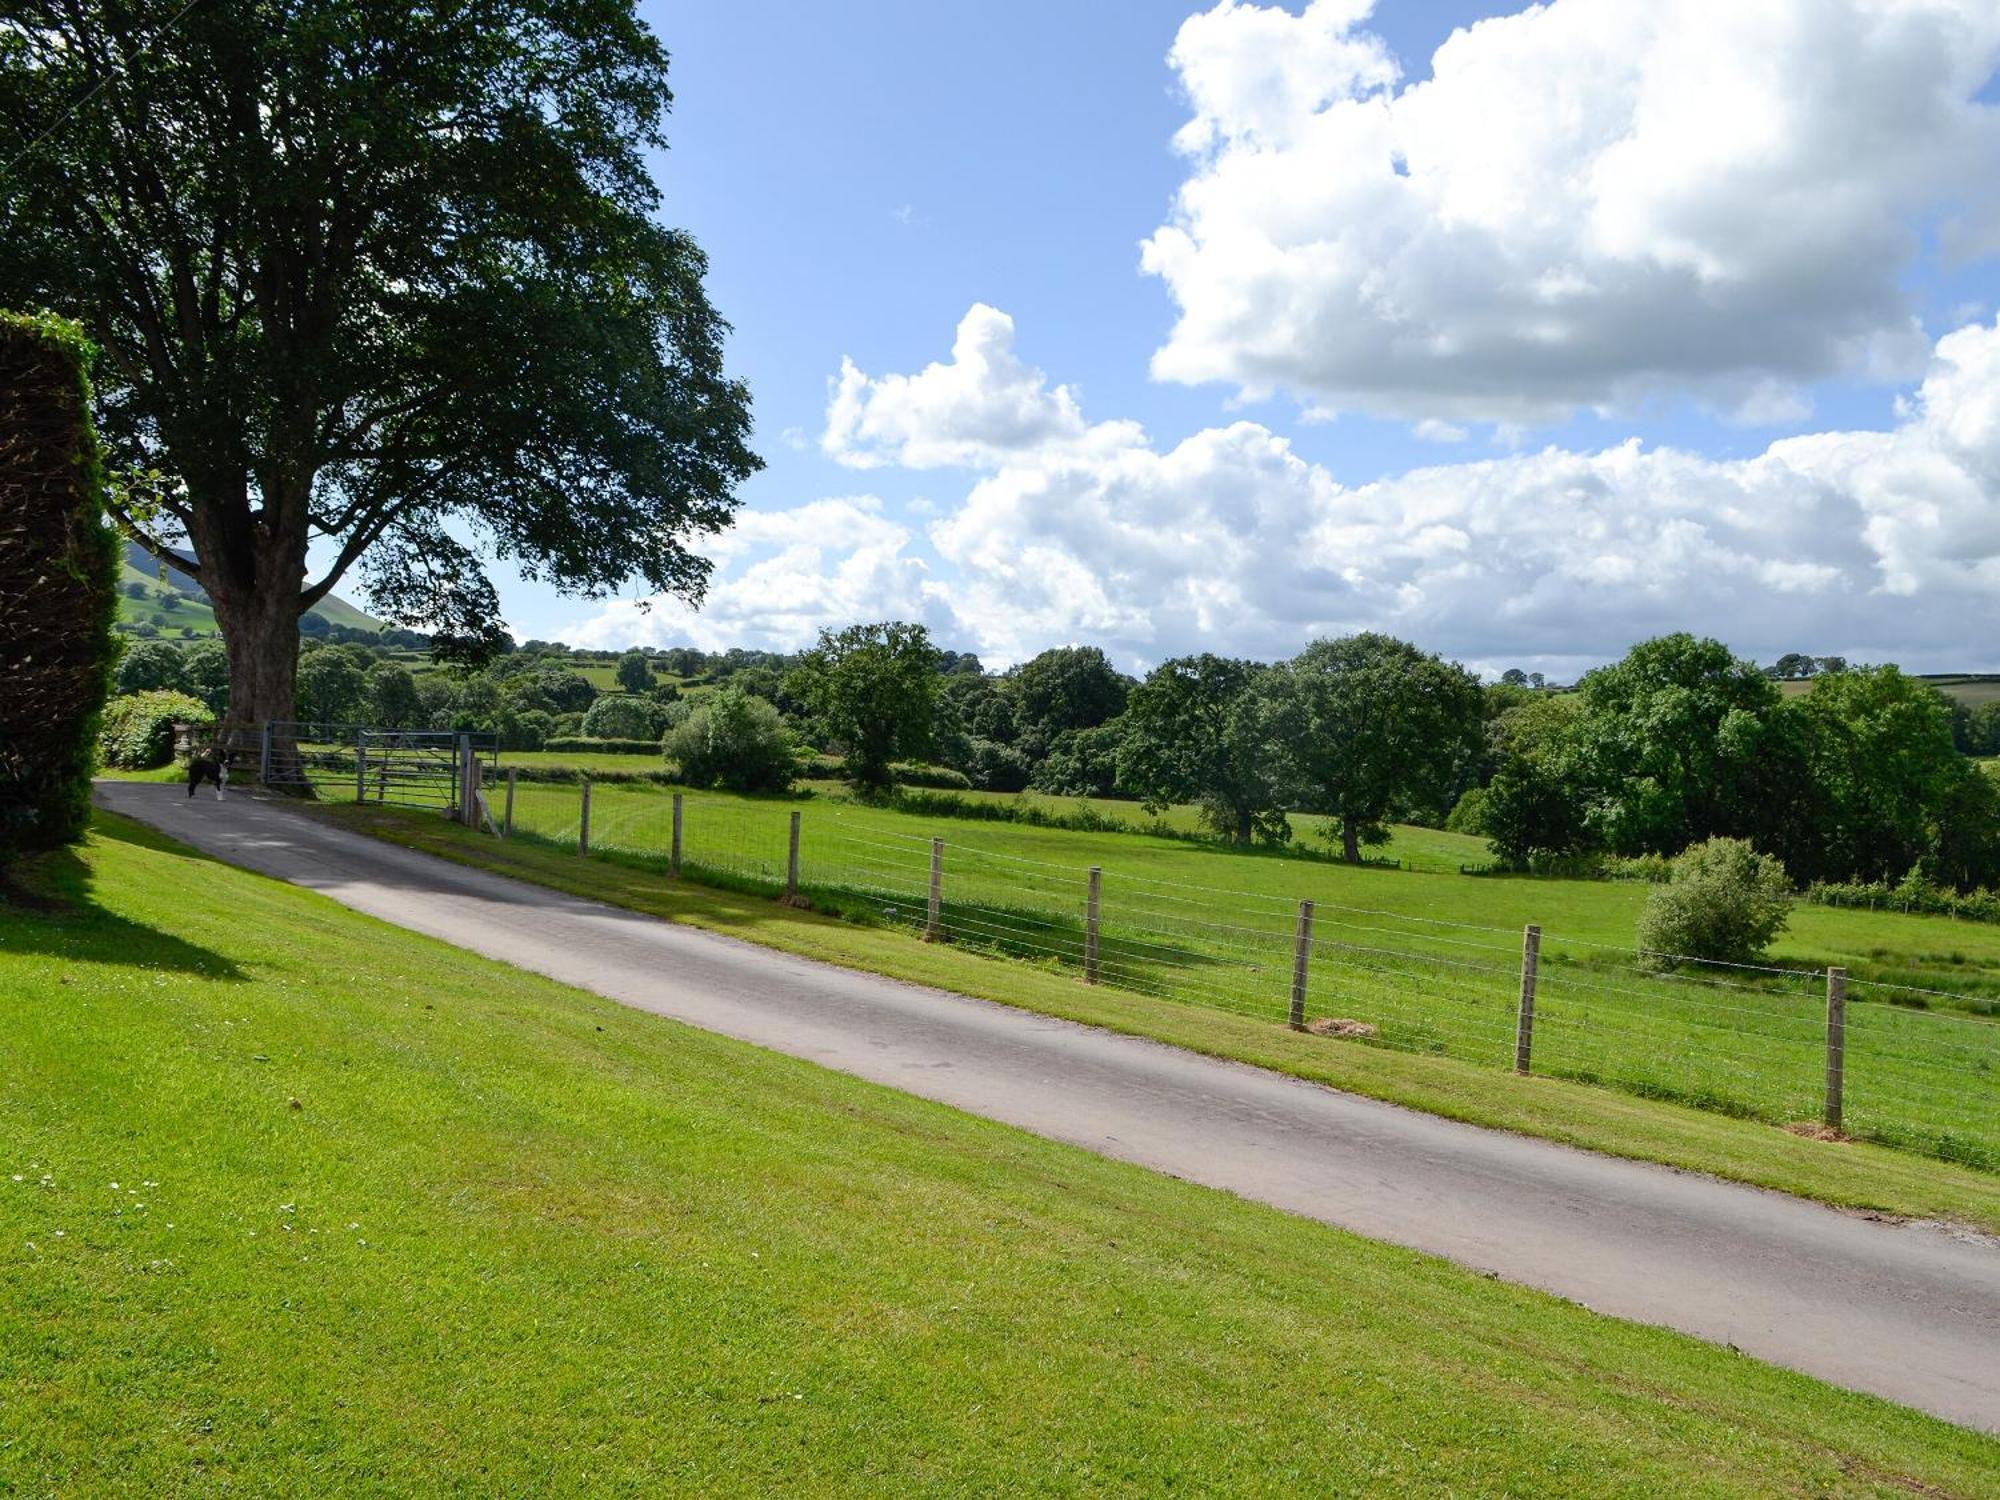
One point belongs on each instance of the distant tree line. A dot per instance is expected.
(1863, 777)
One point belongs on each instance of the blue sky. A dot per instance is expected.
(862, 175)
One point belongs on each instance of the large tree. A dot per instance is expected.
(1682, 741)
(872, 690)
(377, 286)
(1066, 687)
(1882, 770)
(1370, 724)
(1194, 732)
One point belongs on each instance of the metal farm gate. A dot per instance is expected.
(427, 768)
(434, 769)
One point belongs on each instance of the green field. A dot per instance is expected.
(173, 609)
(1430, 959)
(1411, 847)
(1969, 688)
(308, 1204)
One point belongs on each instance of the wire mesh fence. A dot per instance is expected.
(1751, 1041)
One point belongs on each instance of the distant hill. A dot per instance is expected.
(175, 605)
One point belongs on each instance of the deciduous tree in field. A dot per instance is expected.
(1678, 741)
(392, 697)
(873, 690)
(635, 672)
(1882, 769)
(1067, 687)
(1195, 731)
(1535, 805)
(1369, 722)
(370, 280)
(333, 685)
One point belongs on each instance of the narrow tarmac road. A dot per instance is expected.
(1911, 1312)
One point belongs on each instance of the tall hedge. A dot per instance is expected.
(58, 577)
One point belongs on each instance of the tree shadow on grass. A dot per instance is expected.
(52, 912)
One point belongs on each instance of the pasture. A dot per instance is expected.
(1426, 957)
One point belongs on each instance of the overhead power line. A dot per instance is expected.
(91, 93)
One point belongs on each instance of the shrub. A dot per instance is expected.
(937, 778)
(58, 584)
(623, 717)
(736, 741)
(995, 767)
(531, 731)
(1725, 903)
(138, 729)
(1468, 815)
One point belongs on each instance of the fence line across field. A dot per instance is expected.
(1780, 1043)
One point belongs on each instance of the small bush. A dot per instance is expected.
(622, 717)
(1725, 903)
(937, 778)
(995, 767)
(527, 731)
(138, 729)
(581, 744)
(736, 741)
(1469, 814)
(1654, 869)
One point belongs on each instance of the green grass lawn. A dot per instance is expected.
(1431, 959)
(1852, 1174)
(307, 1204)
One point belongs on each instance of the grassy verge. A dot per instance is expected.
(308, 1204)
(1848, 1174)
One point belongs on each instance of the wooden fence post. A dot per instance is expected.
(507, 825)
(468, 783)
(792, 863)
(1836, 1045)
(1301, 957)
(1093, 889)
(934, 914)
(360, 766)
(583, 822)
(264, 760)
(674, 857)
(1524, 1024)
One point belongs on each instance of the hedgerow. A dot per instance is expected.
(58, 577)
(138, 729)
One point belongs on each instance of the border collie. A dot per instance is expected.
(202, 768)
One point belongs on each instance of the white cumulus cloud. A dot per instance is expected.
(1877, 545)
(1585, 204)
(780, 576)
(1880, 545)
(982, 408)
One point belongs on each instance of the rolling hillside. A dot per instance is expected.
(175, 605)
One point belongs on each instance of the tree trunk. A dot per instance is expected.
(1243, 825)
(1350, 840)
(252, 578)
(263, 647)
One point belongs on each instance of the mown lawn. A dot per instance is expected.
(1852, 1174)
(294, 1202)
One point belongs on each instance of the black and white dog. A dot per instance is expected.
(208, 768)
